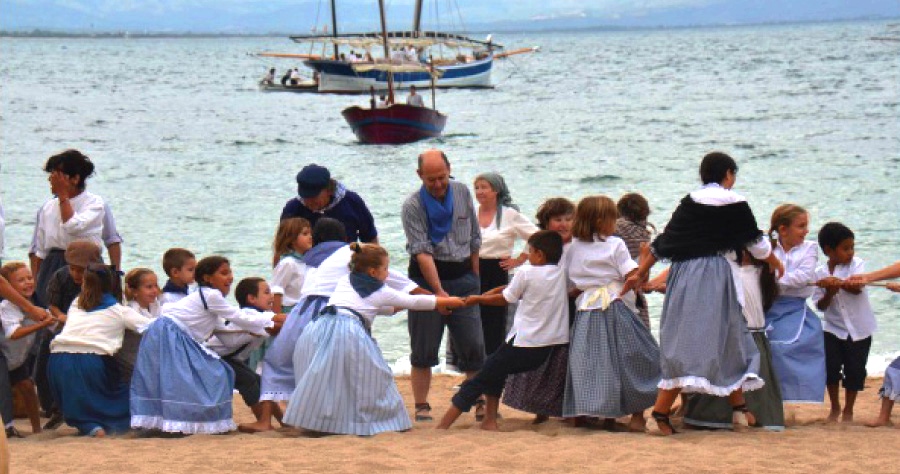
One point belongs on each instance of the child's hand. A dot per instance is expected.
(852, 286)
(650, 287)
(472, 300)
(278, 319)
(894, 286)
(830, 284)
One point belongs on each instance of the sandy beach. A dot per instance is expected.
(808, 445)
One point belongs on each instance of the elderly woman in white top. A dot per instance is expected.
(74, 214)
(501, 224)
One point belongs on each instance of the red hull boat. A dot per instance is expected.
(399, 123)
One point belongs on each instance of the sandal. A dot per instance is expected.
(479, 410)
(748, 415)
(423, 412)
(663, 419)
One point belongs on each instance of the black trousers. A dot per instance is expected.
(845, 361)
(493, 318)
(246, 381)
(507, 360)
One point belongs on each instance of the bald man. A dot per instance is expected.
(442, 238)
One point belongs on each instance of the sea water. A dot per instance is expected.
(190, 154)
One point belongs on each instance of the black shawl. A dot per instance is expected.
(698, 230)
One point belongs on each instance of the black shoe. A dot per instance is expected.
(12, 432)
(56, 420)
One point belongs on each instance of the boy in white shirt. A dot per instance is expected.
(849, 320)
(541, 323)
(179, 265)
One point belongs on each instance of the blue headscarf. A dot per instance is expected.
(440, 214)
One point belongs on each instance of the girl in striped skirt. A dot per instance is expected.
(613, 358)
(344, 385)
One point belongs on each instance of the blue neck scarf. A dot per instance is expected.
(364, 285)
(106, 301)
(440, 214)
(320, 252)
(173, 288)
(292, 254)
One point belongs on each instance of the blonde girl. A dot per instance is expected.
(613, 358)
(795, 334)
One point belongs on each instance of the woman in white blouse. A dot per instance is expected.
(74, 214)
(501, 224)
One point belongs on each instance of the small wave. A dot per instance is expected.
(459, 135)
(242, 143)
(602, 178)
(745, 146)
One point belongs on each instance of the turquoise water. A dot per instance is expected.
(189, 153)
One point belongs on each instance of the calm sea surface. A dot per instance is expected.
(189, 153)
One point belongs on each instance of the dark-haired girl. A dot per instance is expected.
(74, 214)
(84, 377)
(704, 343)
(344, 385)
(179, 385)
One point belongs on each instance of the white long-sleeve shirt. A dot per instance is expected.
(86, 224)
(386, 297)
(799, 269)
(97, 332)
(498, 243)
(202, 321)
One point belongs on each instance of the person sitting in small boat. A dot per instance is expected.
(369, 58)
(383, 102)
(372, 101)
(414, 99)
(295, 77)
(286, 77)
(269, 78)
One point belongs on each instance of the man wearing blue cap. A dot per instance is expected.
(321, 196)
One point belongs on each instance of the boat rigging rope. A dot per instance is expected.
(316, 25)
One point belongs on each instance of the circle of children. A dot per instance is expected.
(737, 337)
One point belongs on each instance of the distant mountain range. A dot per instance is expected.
(283, 16)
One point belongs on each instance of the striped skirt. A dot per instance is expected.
(704, 342)
(278, 364)
(798, 350)
(89, 391)
(891, 387)
(344, 385)
(178, 386)
(765, 403)
(613, 364)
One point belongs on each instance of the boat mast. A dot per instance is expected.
(334, 29)
(417, 19)
(387, 51)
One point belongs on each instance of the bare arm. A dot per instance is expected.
(429, 271)
(115, 255)
(476, 264)
(495, 299)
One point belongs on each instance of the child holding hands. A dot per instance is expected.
(849, 320)
(541, 323)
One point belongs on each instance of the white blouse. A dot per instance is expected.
(287, 280)
(202, 322)
(386, 300)
(85, 224)
(97, 332)
(597, 264)
(15, 350)
(753, 301)
(323, 279)
(499, 242)
(799, 269)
